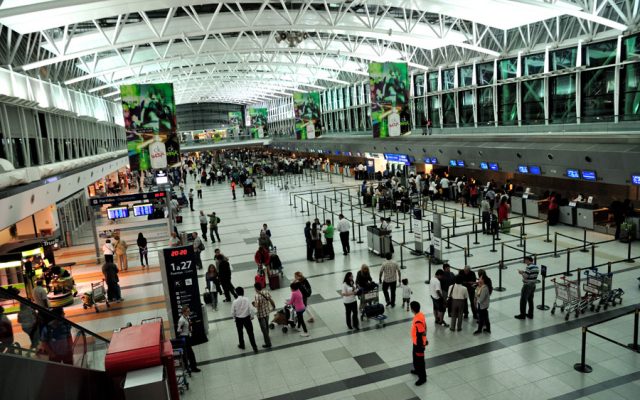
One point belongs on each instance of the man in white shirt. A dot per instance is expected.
(184, 331)
(435, 289)
(343, 228)
(241, 313)
(444, 184)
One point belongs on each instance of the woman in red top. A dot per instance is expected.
(503, 210)
(553, 212)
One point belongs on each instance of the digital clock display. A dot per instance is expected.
(178, 253)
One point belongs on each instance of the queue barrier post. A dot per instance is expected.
(462, 215)
(543, 306)
(468, 247)
(524, 247)
(593, 255)
(609, 267)
(629, 259)
(568, 271)
(475, 230)
(493, 244)
(428, 281)
(465, 255)
(555, 245)
(636, 319)
(547, 240)
(500, 288)
(448, 245)
(582, 366)
(584, 241)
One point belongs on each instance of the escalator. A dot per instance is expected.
(45, 356)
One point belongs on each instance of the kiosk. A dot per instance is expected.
(378, 240)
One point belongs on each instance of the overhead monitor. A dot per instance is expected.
(484, 165)
(460, 163)
(140, 210)
(589, 175)
(434, 160)
(117, 212)
(494, 166)
(453, 163)
(635, 179)
(534, 169)
(523, 169)
(573, 174)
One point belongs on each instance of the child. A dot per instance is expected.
(406, 293)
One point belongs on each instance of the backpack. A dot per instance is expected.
(201, 246)
(305, 289)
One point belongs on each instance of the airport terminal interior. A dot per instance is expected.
(306, 199)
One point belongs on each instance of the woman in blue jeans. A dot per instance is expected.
(213, 284)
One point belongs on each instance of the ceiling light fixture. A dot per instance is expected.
(292, 38)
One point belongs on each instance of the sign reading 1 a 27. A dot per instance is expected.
(180, 266)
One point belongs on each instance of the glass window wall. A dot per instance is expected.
(600, 54)
(432, 83)
(562, 99)
(418, 85)
(448, 79)
(563, 59)
(597, 95)
(485, 106)
(533, 102)
(434, 111)
(449, 110)
(508, 68)
(533, 64)
(466, 108)
(465, 76)
(630, 92)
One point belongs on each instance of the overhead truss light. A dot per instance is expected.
(292, 38)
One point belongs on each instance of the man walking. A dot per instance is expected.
(191, 199)
(198, 247)
(309, 241)
(213, 227)
(199, 189)
(110, 273)
(389, 271)
(435, 289)
(420, 342)
(529, 278)
(203, 226)
(224, 274)
(263, 304)
(241, 313)
(343, 228)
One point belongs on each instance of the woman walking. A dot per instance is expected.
(350, 302)
(305, 289)
(299, 307)
(316, 238)
(483, 293)
(213, 285)
(142, 249)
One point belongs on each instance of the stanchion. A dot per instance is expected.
(609, 267)
(360, 226)
(502, 253)
(475, 231)
(428, 281)
(582, 365)
(584, 241)
(448, 245)
(402, 258)
(493, 244)
(468, 247)
(524, 247)
(593, 255)
(290, 199)
(294, 202)
(629, 259)
(500, 288)
(302, 206)
(636, 317)
(522, 226)
(410, 221)
(462, 215)
(555, 245)
(309, 211)
(543, 306)
(547, 240)
(568, 271)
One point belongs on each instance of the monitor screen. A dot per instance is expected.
(142, 210)
(523, 169)
(589, 175)
(162, 180)
(337, 152)
(534, 169)
(434, 160)
(494, 166)
(460, 163)
(117, 212)
(484, 165)
(573, 173)
(635, 179)
(452, 163)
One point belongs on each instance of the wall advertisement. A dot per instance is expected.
(258, 122)
(307, 111)
(150, 122)
(235, 122)
(389, 84)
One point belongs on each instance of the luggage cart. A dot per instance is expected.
(286, 317)
(98, 294)
(181, 364)
(368, 300)
(568, 297)
(599, 285)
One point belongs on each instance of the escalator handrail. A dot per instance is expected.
(7, 294)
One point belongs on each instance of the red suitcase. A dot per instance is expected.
(274, 281)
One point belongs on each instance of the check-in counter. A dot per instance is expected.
(589, 215)
(636, 222)
(534, 207)
(568, 215)
(517, 205)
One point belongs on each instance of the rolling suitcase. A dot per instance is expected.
(207, 297)
(274, 281)
(506, 227)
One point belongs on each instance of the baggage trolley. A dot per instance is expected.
(98, 294)
(599, 285)
(569, 296)
(181, 364)
(370, 298)
(285, 317)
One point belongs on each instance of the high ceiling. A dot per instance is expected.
(228, 51)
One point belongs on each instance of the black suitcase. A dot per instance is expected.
(178, 219)
(373, 310)
(209, 182)
(207, 297)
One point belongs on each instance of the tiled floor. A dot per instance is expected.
(531, 359)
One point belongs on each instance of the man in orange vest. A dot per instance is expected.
(420, 342)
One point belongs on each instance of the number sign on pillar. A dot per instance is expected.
(180, 282)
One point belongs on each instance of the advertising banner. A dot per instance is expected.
(235, 122)
(307, 111)
(258, 121)
(389, 83)
(180, 281)
(150, 122)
